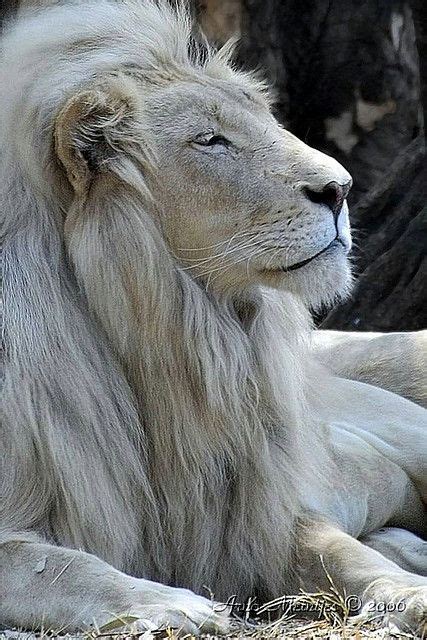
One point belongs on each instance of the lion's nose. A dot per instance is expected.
(332, 195)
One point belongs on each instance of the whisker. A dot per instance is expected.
(217, 244)
(253, 242)
(221, 268)
(222, 254)
(274, 254)
(242, 245)
(257, 251)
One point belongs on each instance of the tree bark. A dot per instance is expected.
(391, 232)
(420, 19)
(7, 8)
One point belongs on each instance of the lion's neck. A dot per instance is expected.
(221, 373)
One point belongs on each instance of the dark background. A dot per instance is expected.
(351, 80)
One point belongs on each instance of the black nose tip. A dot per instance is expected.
(332, 195)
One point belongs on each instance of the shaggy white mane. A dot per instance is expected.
(144, 413)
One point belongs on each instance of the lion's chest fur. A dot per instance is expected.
(227, 511)
(222, 410)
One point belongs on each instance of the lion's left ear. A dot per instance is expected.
(94, 128)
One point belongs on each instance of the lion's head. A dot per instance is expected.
(238, 199)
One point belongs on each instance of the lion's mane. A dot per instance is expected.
(144, 420)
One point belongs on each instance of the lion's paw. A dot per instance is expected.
(404, 606)
(183, 611)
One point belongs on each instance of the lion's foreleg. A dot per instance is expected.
(42, 585)
(367, 578)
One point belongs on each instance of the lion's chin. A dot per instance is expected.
(319, 283)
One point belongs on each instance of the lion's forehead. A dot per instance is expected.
(198, 102)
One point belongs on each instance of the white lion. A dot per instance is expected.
(164, 416)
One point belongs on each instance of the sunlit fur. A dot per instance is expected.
(146, 419)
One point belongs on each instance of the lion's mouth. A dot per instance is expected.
(297, 265)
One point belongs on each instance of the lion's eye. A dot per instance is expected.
(211, 140)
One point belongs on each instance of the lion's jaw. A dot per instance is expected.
(239, 197)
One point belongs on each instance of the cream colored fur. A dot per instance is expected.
(395, 361)
(164, 418)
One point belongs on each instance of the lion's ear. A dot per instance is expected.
(94, 128)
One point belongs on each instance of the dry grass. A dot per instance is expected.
(293, 629)
(326, 616)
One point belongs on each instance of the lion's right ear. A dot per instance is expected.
(95, 128)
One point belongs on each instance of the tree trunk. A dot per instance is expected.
(7, 8)
(391, 221)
